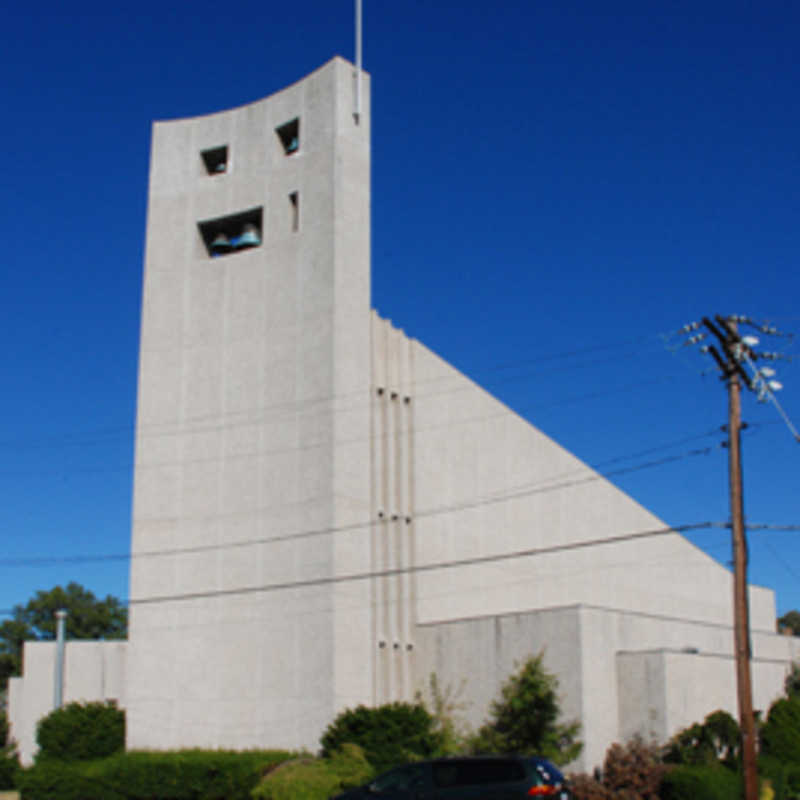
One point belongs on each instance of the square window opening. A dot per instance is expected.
(215, 160)
(231, 234)
(289, 136)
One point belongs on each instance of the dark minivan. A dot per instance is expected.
(481, 778)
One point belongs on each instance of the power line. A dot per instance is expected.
(539, 487)
(395, 571)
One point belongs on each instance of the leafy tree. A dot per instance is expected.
(81, 732)
(714, 741)
(780, 734)
(792, 682)
(389, 735)
(790, 620)
(88, 617)
(524, 719)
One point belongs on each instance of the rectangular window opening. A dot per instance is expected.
(215, 160)
(294, 211)
(231, 234)
(289, 136)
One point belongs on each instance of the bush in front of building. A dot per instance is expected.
(780, 734)
(316, 778)
(81, 732)
(389, 735)
(179, 775)
(632, 771)
(784, 779)
(685, 782)
(9, 760)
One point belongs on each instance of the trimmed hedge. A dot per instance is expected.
(81, 732)
(700, 783)
(182, 775)
(316, 778)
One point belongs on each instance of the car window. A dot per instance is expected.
(476, 772)
(407, 777)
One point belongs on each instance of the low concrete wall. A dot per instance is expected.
(92, 671)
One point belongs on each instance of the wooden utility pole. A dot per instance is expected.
(733, 373)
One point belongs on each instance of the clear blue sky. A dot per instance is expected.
(555, 184)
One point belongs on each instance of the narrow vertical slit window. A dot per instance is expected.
(289, 136)
(215, 160)
(294, 212)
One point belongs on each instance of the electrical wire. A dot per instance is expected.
(526, 490)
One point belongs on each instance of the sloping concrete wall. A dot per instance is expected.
(480, 518)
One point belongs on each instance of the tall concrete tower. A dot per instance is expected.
(252, 428)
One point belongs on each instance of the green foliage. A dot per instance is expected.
(700, 783)
(316, 778)
(790, 620)
(389, 735)
(87, 618)
(9, 760)
(780, 734)
(182, 775)
(445, 707)
(783, 778)
(524, 719)
(791, 683)
(81, 732)
(714, 741)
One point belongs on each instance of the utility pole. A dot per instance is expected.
(734, 348)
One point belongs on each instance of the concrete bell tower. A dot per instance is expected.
(253, 424)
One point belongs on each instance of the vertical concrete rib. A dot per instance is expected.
(408, 405)
(399, 515)
(374, 531)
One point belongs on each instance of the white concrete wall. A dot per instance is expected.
(616, 693)
(662, 690)
(93, 671)
(248, 363)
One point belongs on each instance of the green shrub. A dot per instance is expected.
(182, 775)
(784, 778)
(700, 783)
(9, 767)
(9, 760)
(81, 732)
(715, 741)
(316, 779)
(525, 718)
(780, 734)
(389, 735)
